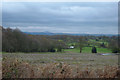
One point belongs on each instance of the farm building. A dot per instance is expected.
(71, 47)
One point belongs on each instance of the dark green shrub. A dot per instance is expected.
(94, 50)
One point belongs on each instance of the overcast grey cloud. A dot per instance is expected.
(81, 17)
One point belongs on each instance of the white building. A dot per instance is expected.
(71, 47)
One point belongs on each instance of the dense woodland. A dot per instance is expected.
(17, 41)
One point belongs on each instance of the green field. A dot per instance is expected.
(88, 50)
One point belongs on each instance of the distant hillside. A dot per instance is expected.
(49, 33)
(40, 33)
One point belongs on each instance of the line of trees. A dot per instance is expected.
(17, 41)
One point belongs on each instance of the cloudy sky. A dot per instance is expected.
(74, 17)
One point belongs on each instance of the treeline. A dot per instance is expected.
(17, 41)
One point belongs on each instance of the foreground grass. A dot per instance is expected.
(13, 68)
(74, 59)
(62, 65)
(33, 52)
(88, 50)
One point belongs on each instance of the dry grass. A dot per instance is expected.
(13, 68)
(74, 59)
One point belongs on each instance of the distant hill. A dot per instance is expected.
(40, 33)
(49, 33)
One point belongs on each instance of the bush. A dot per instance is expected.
(115, 50)
(94, 50)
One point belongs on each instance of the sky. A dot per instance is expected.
(62, 17)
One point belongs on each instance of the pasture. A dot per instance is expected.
(88, 50)
(59, 65)
(74, 59)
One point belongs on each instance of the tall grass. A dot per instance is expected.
(13, 68)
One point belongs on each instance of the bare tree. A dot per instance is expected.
(81, 43)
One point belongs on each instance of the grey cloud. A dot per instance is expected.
(79, 15)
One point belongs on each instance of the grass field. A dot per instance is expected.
(79, 59)
(59, 65)
(88, 50)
